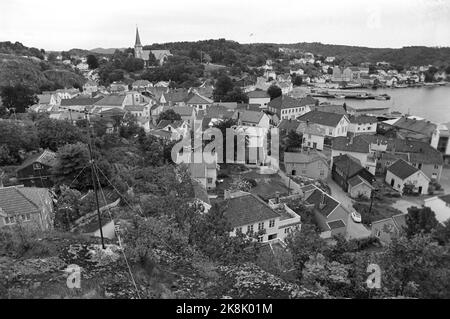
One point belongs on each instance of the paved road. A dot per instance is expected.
(354, 230)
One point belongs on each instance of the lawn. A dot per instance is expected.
(267, 184)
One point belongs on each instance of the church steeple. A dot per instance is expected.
(138, 39)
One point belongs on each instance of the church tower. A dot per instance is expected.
(138, 49)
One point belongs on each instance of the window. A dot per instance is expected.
(272, 223)
(286, 230)
(250, 229)
(209, 180)
(272, 237)
(25, 217)
(436, 166)
(238, 230)
(261, 226)
(322, 173)
(420, 165)
(37, 166)
(378, 234)
(260, 239)
(359, 128)
(369, 128)
(10, 220)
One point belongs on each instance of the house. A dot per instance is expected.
(329, 214)
(36, 170)
(187, 113)
(204, 173)
(330, 108)
(29, 206)
(289, 108)
(138, 110)
(253, 118)
(178, 129)
(310, 164)
(376, 153)
(334, 124)
(362, 124)
(90, 87)
(353, 178)
(198, 102)
(440, 205)
(258, 97)
(389, 228)
(313, 135)
(118, 86)
(248, 214)
(416, 128)
(176, 97)
(141, 85)
(401, 173)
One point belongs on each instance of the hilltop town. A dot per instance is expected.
(88, 174)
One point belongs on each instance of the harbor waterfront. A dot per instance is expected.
(432, 103)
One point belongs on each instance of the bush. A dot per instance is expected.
(222, 175)
(251, 181)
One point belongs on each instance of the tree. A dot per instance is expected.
(92, 61)
(303, 244)
(297, 80)
(274, 91)
(54, 133)
(67, 208)
(169, 115)
(222, 87)
(18, 98)
(15, 138)
(420, 221)
(293, 140)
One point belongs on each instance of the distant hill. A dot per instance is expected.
(38, 75)
(106, 51)
(406, 56)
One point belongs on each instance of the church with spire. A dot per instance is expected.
(139, 53)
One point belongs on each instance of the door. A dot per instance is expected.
(314, 145)
(392, 182)
(420, 189)
(293, 172)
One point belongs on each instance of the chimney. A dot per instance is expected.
(277, 197)
(322, 201)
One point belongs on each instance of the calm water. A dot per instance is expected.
(432, 103)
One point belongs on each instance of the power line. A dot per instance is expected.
(78, 175)
(118, 237)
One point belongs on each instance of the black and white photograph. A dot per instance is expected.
(225, 155)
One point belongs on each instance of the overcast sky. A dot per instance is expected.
(87, 24)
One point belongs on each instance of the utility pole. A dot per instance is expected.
(93, 174)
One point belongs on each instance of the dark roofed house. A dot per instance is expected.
(259, 97)
(286, 126)
(389, 228)
(30, 206)
(401, 174)
(333, 123)
(353, 178)
(329, 214)
(248, 214)
(423, 127)
(287, 107)
(36, 170)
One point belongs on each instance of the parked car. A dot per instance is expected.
(356, 216)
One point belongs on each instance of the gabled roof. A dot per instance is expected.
(247, 209)
(251, 116)
(311, 128)
(303, 158)
(218, 111)
(339, 109)
(286, 102)
(356, 180)
(322, 118)
(198, 99)
(140, 83)
(111, 100)
(161, 134)
(134, 108)
(317, 197)
(347, 164)
(182, 110)
(420, 126)
(402, 169)
(80, 101)
(357, 145)
(46, 157)
(445, 198)
(336, 224)
(363, 119)
(176, 96)
(288, 125)
(44, 98)
(258, 94)
(13, 201)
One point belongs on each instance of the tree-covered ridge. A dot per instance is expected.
(18, 48)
